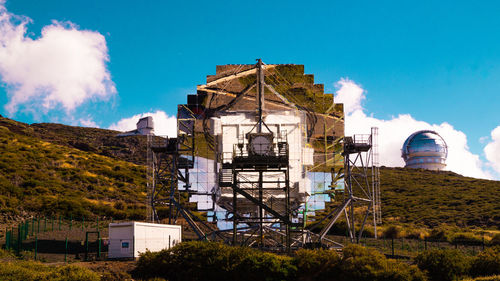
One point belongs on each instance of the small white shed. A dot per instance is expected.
(128, 239)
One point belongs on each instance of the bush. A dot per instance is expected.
(467, 239)
(215, 261)
(23, 270)
(439, 234)
(486, 263)
(495, 240)
(360, 263)
(443, 264)
(392, 232)
(318, 264)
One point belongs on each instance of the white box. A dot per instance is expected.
(128, 239)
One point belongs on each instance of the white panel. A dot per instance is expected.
(215, 126)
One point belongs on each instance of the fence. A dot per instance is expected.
(407, 248)
(56, 235)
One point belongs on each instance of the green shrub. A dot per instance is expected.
(360, 263)
(27, 271)
(486, 263)
(443, 264)
(439, 234)
(215, 261)
(317, 264)
(467, 239)
(392, 232)
(495, 240)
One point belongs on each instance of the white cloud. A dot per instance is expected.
(492, 150)
(164, 125)
(350, 94)
(393, 133)
(88, 122)
(64, 67)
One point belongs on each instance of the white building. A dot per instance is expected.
(128, 239)
(145, 126)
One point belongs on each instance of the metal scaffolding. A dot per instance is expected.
(263, 213)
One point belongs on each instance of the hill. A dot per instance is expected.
(53, 168)
(43, 172)
(95, 140)
(430, 198)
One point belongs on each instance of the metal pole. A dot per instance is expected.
(260, 90)
(288, 214)
(393, 246)
(99, 244)
(66, 250)
(261, 213)
(235, 217)
(7, 239)
(19, 229)
(86, 246)
(36, 244)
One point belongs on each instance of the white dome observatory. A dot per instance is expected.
(425, 149)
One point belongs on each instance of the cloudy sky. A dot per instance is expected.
(401, 67)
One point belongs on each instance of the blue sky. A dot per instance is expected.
(438, 61)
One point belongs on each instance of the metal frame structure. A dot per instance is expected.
(271, 226)
(362, 188)
(169, 163)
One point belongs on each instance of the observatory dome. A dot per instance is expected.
(425, 149)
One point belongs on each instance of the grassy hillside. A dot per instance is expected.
(41, 177)
(99, 141)
(430, 198)
(53, 168)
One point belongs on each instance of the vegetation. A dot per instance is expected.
(430, 198)
(443, 265)
(35, 173)
(215, 261)
(11, 268)
(486, 263)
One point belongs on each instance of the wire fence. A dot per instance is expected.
(56, 237)
(404, 248)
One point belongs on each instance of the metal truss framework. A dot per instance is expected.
(270, 226)
(362, 188)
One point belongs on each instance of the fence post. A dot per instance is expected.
(45, 225)
(59, 222)
(99, 246)
(86, 246)
(36, 245)
(66, 250)
(97, 223)
(19, 228)
(392, 246)
(7, 239)
(52, 223)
